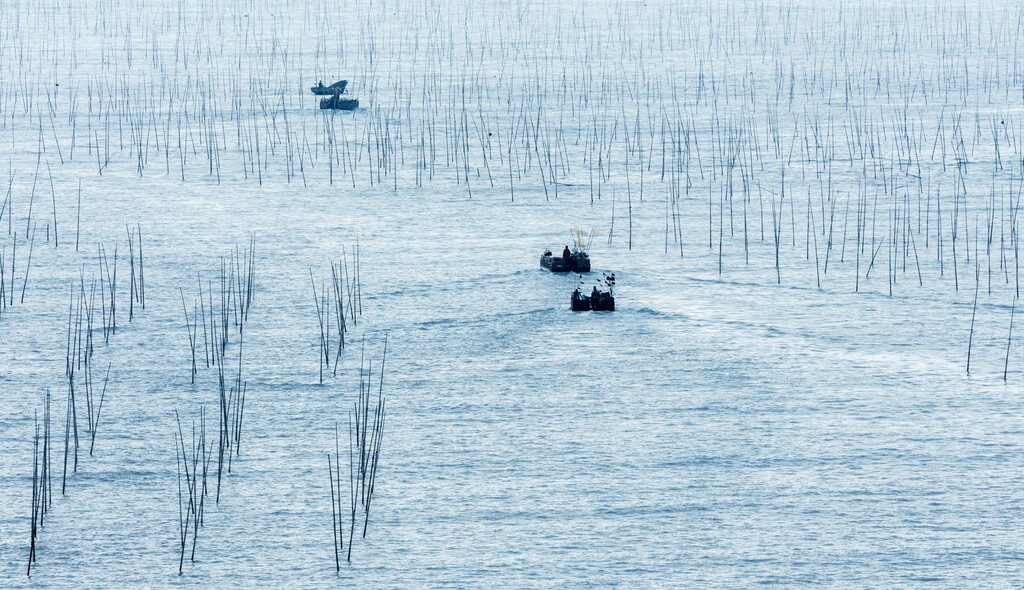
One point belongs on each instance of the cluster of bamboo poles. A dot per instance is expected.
(42, 482)
(343, 299)
(78, 370)
(84, 321)
(191, 501)
(223, 328)
(236, 288)
(83, 316)
(231, 405)
(365, 437)
(80, 354)
(198, 462)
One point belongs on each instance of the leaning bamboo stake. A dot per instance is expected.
(1009, 337)
(99, 409)
(191, 336)
(53, 198)
(35, 499)
(352, 492)
(322, 352)
(28, 267)
(334, 515)
(78, 217)
(974, 313)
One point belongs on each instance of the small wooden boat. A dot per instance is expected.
(601, 298)
(339, 104)
(322, 90)
(596, 301)
(578, 262)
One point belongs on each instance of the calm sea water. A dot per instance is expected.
(730, 425)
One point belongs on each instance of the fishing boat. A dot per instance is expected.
(596, 301)
(339, 104)
(322, 90)
(578, 262)
(575, 260)
(601, 297)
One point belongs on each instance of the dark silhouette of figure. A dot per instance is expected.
(567, 258)
(579, 302)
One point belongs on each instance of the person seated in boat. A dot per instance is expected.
(320, 84)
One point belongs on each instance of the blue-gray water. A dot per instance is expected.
(722, 428)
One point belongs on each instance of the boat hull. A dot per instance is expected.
(553, 263)
(598, 302)
(339, 104)
(577, 263)
(329, 90)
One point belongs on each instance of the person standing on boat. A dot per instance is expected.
(567, 258)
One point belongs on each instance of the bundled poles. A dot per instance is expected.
(249, 274)
(108, 281)
(365, 438)
(370, 437)
(195, 461)
(339, 312)
(321, 315)
(340, 303)
(41, 482)
(137, 285)
(221, 311)
(231, 411)
(352, 487)
(78, 357)
(190, 327)
(78, 370)
(108, 292)
(334, 511)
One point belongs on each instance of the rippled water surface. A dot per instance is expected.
(729, 425)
